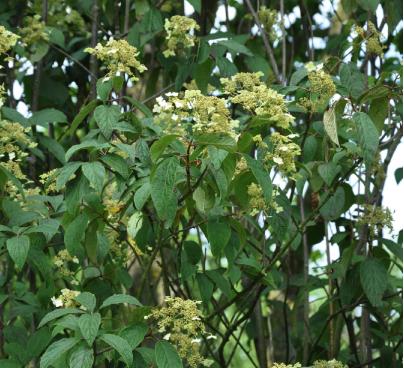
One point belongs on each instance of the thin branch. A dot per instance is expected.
(267, 45)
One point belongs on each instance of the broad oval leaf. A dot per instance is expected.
(120, 345)
(120, 299)
(167, 356)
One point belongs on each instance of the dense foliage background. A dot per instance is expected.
(162, 208)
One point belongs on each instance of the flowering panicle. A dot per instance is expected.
(377, 218)
(34, 31)
(329, 364)
(7, 40)
(283, 365)
(48, 180)
(205, 114)
(257, 201)
(180, 34)
(371, 37)
(283, 153)
(247, 90)
(269, 20)
(118, 57)
(66, 299)
(61, 261)
(180, 322)
(12, 138)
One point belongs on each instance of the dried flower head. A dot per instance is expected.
(118, 57)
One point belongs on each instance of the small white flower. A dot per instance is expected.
(167, 336)
(196, 319)
(211, 337)
(196, 341)
(171, 94)
(278, 160)
(174, 117)
(178, 104)
(57, 302)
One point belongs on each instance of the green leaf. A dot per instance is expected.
(66, 174)
(142, 195)
(158, 147)
(120, 299)
(84, 145)
(13, 115)
(120, 345)
(54, 147)
(104, 88)
(352, 80)
(370, 5)
(81, 357)
(48, 227)
(234, 46)
(117, 164)
(135, 223)
(74, 234)
(163, 189)
(368, 136)
(95, 173)
(334, 206)
(46, 116)
(87, 300)
(84, 111)
(142, 107)
(374, 280)
(18, 248)
(89, 325)
(57, 313)
(54, 351)
(134, 335)
(196, 5)
(298, 76)
(218, 234)
(261, 175)
(107, 118)
(218, 140)
(378, 111)
(328, 171)
(330, 125)
(167, 356)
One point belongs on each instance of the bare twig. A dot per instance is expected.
(267, 45)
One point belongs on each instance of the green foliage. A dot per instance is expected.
(199, 191)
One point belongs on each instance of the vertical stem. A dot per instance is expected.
(282, 6)
(330, 293)
(126, 20)
(93, 59)
(267, 45)
(306, 306)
